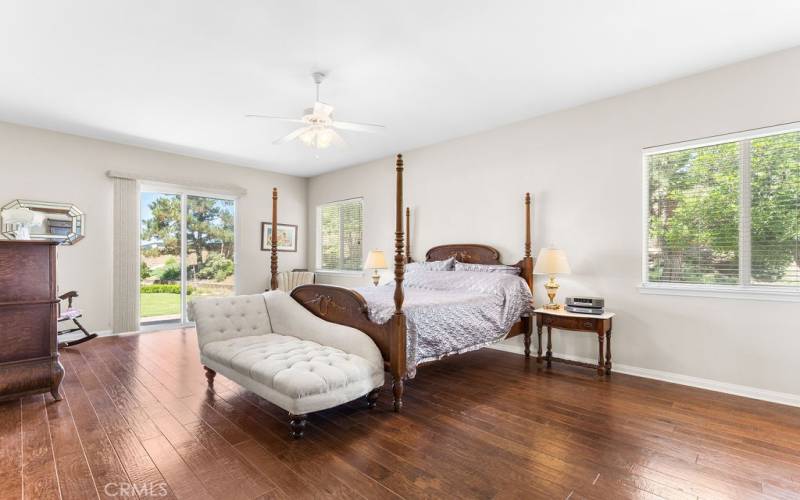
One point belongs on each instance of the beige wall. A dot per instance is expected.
(584, 169)
(43, 165)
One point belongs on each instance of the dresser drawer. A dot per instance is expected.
(570, 323)
(25, 273)
(26, 331)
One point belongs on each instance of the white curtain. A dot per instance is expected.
(126, 255)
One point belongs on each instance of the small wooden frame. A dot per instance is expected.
(347, 307)
(266, 236)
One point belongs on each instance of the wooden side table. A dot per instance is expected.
(563, 320)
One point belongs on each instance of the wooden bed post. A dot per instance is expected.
(408, 235)
(273, 282)
(397, 357)
(527, 273)
(528, 236)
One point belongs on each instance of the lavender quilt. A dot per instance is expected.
(449, 312)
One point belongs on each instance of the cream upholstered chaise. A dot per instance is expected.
(273, 346)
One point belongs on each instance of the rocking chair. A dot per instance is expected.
(72, 314)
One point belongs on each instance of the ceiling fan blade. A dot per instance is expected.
(279, 118)
(358, 127)
(322, 109)
(291, 136)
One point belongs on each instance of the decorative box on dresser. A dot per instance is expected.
(28, 319)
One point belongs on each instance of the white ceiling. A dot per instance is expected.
(178, 75)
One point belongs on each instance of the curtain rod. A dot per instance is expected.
(216, 188)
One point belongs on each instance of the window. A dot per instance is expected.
(725, 214)
(340, 231)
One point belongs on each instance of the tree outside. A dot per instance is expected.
(694, 213)
(209, 250)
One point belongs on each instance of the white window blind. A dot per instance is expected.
(340, 233)
(726, 213)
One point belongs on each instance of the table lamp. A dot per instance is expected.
(375, 260)
(551, 261)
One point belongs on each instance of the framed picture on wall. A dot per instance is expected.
(287, 237)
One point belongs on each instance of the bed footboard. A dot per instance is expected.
(347, 307)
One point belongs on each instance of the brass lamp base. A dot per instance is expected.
(375, 277)
(552, 288)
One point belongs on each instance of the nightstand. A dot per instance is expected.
(599, 324)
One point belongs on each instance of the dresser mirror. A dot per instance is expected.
(42, 220)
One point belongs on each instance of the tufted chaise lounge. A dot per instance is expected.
(273, 346)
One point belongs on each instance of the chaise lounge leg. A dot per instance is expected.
(372, 397)
(210, 375)
(397, 390)
(297, 424)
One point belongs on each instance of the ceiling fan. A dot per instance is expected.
(319, 127)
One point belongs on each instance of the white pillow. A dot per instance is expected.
(434, 265)
(487, 268)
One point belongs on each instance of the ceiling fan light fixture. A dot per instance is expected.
(318, 137)
(308, 137)
(319, 128)
(324, 138)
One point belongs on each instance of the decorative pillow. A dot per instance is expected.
(434, 265)
(487, 268)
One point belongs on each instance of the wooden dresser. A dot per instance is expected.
(28, 319)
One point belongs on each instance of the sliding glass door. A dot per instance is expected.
(210, 269)
(187, 250)
(160, 257)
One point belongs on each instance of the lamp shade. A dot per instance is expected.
(551, 261)
(375, 260)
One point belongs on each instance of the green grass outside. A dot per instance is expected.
(160, 304)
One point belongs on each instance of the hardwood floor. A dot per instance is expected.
(137, 420)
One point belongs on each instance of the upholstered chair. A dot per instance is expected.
(289, 280)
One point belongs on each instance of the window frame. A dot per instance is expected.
(318, 257)
(743, 290)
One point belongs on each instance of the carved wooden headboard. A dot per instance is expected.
(469, 253)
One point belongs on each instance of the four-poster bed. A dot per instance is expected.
(349, 307)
